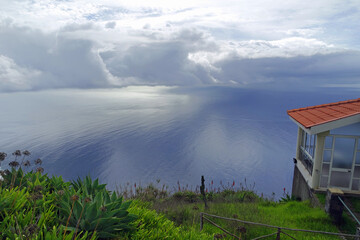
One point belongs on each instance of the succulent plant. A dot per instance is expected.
(96, 210)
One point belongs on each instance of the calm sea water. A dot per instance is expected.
(141, 134)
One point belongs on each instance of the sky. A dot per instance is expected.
(49, 44)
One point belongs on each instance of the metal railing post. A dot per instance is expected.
(201, 221)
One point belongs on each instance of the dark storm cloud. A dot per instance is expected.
(59, 61)
(31, 59)
(296, 72)
(156, 63)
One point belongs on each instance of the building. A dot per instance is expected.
(328, 148)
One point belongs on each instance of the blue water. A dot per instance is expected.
(141, 134)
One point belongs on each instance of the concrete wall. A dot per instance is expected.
(300, 188)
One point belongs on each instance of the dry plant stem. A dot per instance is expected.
(22, 160)
(32, 215)
(97, 224)
(22, 177)
(13, 181)
(68, 220)
(17, 225)
(78, 223)
(13, 177)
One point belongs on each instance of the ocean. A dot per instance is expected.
(161, 135)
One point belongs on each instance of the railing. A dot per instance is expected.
(352, 214)
(279, 230)
(306, 161)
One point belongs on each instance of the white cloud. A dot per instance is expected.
(58, 59)
(110, 25)
(14, 77)
(285, 48)
(115, 43)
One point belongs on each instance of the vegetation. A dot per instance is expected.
(184, 210)
(36, 206)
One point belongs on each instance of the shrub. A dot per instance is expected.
(91, 208)
(152, 226)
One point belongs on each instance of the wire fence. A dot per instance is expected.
(279, 230)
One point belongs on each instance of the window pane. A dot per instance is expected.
(340, 179)
(327, 156)
(357, 172)
(357, 158)
(328, 142)
(343, 153)
(314, 145)
(307, 147)
(304, 139)
(355, 184)
(325, 169)
(323, 182)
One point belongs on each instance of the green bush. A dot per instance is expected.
(187, 196)
(34, 206)
(152, 226)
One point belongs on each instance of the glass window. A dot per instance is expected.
(303, 142)
(327, 156)
(323, 181)
(357, 158)
(328, 142)
(355, 184)
(340, 179)
(307, 142)
(358, 146)
(325, 169)
(343, 153)
(312, 145)
(357, 172)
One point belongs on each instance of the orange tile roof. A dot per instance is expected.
(316, 115)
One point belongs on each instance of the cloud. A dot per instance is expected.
(300, 72)
(329, 20)
(87, 44)
(54, 60)
(110, 25)
(73, 27)
(14, 77)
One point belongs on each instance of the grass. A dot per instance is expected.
(290, 214)
(355, 202)
(183, 210)
(322, 198)
(349, 225)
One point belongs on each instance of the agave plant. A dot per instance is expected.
(87, 186)
(95, 210)
(55, 184)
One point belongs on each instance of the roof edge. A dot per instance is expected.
(324, 105)
(332, 120)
